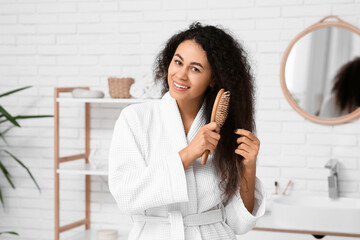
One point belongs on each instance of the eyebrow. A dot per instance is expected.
(192, 63)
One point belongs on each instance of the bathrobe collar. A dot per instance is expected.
(174, 124)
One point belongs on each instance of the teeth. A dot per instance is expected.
(180, 86)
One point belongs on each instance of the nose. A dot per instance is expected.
(182, 73)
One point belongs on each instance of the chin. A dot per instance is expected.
(176, 95)
(171, 93)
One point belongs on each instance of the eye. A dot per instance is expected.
(195, 69)
(177, 62)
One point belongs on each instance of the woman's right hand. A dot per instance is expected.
(206, 138)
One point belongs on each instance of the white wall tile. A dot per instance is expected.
(17, 8)
(50, 44)
(56, 7)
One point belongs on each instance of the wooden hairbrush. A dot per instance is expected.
(219, 113)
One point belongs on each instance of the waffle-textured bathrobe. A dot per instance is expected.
(148, 180)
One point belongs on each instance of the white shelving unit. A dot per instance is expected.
(103, 100)
(92, 235)
(84, 169)
(81, 167)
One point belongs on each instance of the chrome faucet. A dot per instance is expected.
(333, 165)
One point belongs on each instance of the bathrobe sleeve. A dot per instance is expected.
(238, 217)
(137, 184)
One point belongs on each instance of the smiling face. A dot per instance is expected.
(189, 73)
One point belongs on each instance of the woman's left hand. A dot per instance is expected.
(248, 147)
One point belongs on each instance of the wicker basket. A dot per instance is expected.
(120, 87)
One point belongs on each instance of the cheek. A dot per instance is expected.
(171, 70)
(172, 66)
(203, 81)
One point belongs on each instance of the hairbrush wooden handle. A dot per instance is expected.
(205, 155)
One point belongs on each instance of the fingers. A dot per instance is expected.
(212, 146)
(213, 127)
(249, 154)
(243, 153)
(247, 149)
(245, 141)
(213, 141)
(247, 134)
(215, 136)
(210, 135)
(248, 144)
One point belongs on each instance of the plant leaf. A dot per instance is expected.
(6, 174)
(30, 116)
(33, 116)
(1, 198)
(14, 91)
(3, 133)
(23, 165)
(14, 233)
(8, 117)
(2, 137)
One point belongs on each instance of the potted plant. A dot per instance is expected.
(6, 117)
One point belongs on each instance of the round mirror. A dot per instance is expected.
(320, 72)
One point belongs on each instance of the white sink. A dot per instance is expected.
(317, 213)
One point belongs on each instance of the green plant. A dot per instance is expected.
(7, 117)
(14, 233)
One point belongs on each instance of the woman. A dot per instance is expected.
(155, 174)
(345, 94)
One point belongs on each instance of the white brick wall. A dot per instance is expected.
(80, 43)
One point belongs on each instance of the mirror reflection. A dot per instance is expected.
(322, 72)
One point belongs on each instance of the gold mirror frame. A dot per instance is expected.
(329, 121)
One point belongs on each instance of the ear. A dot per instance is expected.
(212, 83)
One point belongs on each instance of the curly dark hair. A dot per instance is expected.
(347, 86)
(231, 71)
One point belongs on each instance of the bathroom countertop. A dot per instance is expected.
(267, 223)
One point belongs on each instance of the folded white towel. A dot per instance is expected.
(138, 91)
(147, 79)
(146, 88)
(155, 91)
(83, 93)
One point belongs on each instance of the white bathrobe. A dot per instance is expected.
(148, 180)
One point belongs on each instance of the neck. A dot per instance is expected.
(189, 108)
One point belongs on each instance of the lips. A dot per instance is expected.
(178, 85)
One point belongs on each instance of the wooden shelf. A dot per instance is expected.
(83, 169)
(91, 235)
(105, 100)
(79, 164)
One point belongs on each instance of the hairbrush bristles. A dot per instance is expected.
(223, 109)
(219, 113)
